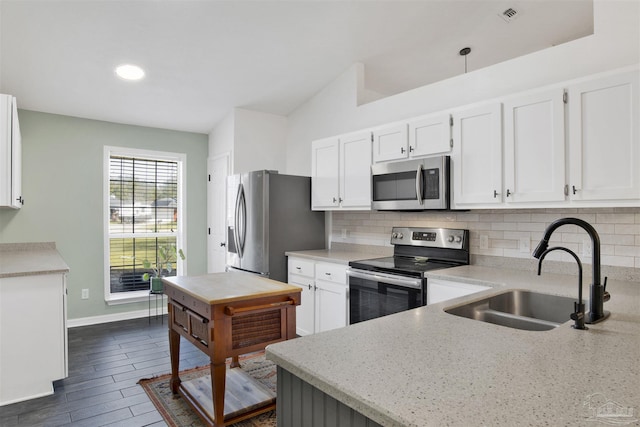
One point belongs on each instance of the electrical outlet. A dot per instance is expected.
(85, 294)
(525, 245)
(484, 241)
(586, 248)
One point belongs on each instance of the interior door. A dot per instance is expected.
(217, 199)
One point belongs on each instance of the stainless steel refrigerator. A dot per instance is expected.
(267, 215)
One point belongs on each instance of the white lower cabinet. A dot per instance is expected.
(442, 290)
(323, 303)
(33, 336)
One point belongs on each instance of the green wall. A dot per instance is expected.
(62, 173)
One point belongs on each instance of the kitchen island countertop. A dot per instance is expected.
(425, 367)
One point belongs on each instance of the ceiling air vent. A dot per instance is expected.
(509, 14)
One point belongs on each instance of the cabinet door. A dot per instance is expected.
(301, 272)
(534, 162)
(603, 137)
(305, 312)
(390, 143)
(477, 155)
(331, 306)
(325, 174)
(430, 135)
(355, 171)
(10, 154)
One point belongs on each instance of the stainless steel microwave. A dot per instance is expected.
(411, 185)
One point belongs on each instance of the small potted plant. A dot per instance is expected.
(167, 256)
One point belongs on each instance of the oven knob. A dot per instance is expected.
(400, 235)
(450, 239)
(394, 235)
(458, 239)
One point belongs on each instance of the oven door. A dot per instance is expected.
(373, 294)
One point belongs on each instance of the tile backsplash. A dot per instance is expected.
(507, 236)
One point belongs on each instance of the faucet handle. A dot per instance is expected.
(606, 296)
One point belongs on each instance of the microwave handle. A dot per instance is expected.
(419, 184)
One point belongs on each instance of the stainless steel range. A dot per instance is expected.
(382, 286)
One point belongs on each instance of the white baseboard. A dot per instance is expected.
(107, 318)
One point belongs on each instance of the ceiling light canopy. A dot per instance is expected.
(129, 72)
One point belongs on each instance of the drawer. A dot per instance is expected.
(301, 267)
(330, 272)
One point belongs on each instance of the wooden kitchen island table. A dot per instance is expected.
(226, 315)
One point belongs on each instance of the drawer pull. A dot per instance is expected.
(230, 311)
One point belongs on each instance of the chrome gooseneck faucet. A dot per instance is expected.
(598, 294)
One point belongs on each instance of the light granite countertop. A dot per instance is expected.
(424, 367)
(27, 259)
(332, 255)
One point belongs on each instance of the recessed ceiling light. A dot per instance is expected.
(129, 72)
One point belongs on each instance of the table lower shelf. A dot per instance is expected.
(244, 396)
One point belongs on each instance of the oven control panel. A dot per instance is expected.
(429, 237)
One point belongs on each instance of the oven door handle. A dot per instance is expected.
(386, 278)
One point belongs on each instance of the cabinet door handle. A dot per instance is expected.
(402, 150)
(20, 200)
(574, 189)
(495, 194)
(298, 268)
(327, 274)
(509, 192)
(309, 287)
(410, 149)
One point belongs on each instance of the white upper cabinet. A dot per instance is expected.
(390, 143)
(341, 172)
(430, 135)
(477, 155)
(534, 148)
(325, 174)
(11, 154)
(355, 171)
(603, 139)
(422, 136)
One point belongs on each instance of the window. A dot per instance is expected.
(143, 217)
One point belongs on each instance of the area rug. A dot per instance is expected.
(177, 413)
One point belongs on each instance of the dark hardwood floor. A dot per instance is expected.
(105, 363)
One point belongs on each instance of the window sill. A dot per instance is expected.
(129, 298)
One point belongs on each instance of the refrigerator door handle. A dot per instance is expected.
(236, 220)
(242, 221)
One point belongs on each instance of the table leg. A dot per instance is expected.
(235, 363)
(174, 351)
(218, 380)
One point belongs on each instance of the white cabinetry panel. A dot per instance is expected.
(477, 155)
(10, 154)
(325, 172)
(534, 160)
(430, 135)
(390, 143)
(603, 137)
(355, 171)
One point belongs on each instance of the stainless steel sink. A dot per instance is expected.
(531, 311)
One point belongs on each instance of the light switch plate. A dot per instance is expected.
(85, 294)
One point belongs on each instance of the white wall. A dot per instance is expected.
(254, 139)
(334, 110)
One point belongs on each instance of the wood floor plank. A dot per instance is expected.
(105, 363)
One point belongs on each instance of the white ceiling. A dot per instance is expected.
(203, 58)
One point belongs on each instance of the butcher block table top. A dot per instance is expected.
(220, 288)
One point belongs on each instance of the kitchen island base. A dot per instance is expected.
(301, 404)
